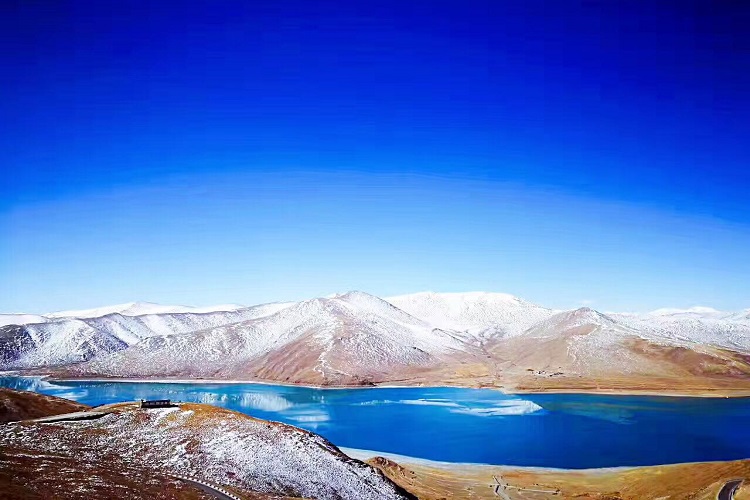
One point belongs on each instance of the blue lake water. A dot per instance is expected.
(469, 425)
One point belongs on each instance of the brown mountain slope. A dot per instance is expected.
(42, 477)
(584, 350)
(23, 405)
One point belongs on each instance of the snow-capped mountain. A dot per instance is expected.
(702, 325)
(21, 319)
(141, 309)
(582, 341)
(128, 309)
(357, 338)
(475, 312)
(585, 349)
(349, 338)
(63, 340)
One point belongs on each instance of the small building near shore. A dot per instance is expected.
(156, 403)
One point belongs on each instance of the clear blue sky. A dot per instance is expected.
(211, 152)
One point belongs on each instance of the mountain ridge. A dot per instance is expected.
(354, 338)
(141, 308)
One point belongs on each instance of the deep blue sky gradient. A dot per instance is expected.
(199, 152)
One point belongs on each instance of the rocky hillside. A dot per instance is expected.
(225, 448)
(23, 405)
(587, 350)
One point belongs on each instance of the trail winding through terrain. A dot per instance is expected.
(729, 489)
(211, 490)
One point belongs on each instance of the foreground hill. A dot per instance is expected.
(249, 456)
(469, 339)
(23, 405)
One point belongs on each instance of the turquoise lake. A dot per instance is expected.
(469, 425)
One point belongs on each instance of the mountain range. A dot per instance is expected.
(470, 339)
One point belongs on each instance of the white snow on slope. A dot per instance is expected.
(592, 341)
(141, 309)
(353, 332)
(70, 340)
(415, 329)
(21, 319)
(66, 341)
(697, 325)
(496, 315)
(695, 310)
(479, 313)
(128, 309)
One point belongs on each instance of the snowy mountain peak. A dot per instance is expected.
(458, 297)
(588, 314)
(568, 320)
(691, 310)
(355, 295)
(474, 312)
(21, 319)
(365, 300)
(126, 309)
(140, 309)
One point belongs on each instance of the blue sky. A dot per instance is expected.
(203, 153)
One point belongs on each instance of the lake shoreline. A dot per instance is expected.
(365, 455)
(696, 393)
(436, 480)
